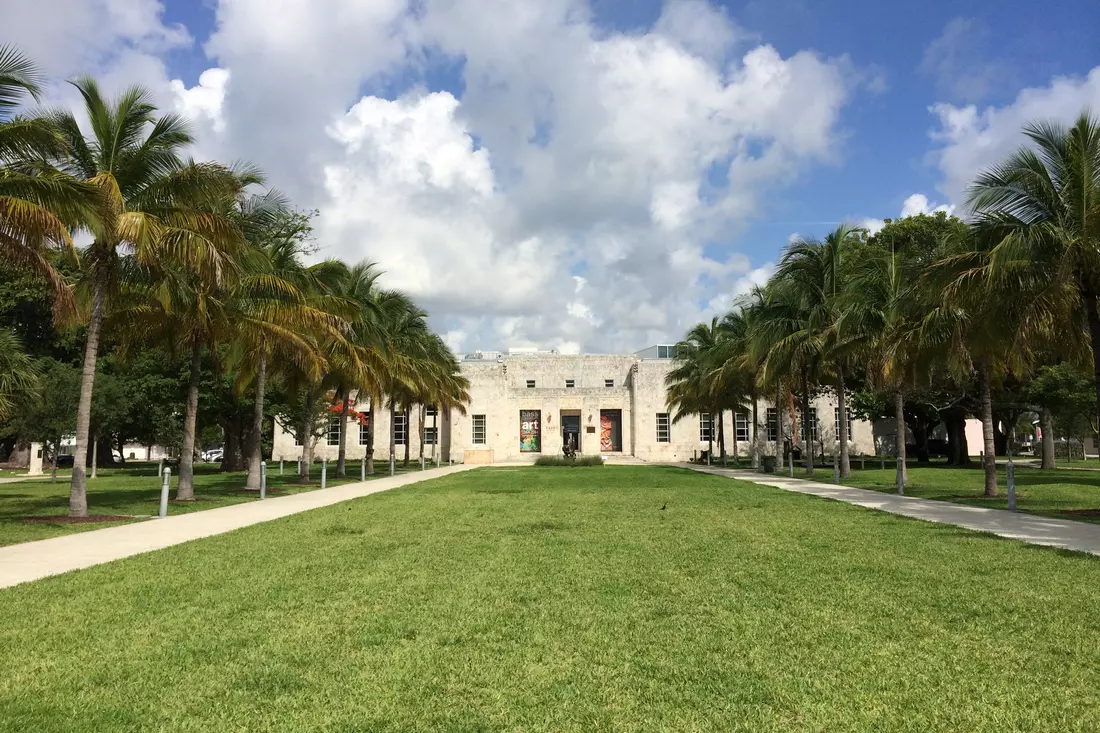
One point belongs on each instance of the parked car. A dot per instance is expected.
(213, 455)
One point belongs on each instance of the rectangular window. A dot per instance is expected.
(429, 411)
(479, 430)
(429, 436)
(741, 427)
(364, 434)
(609, 382)
(400, 428)
(811, 426)
(334, 430)
(570, 384)
(530, 384)
(836, 423)
(773, 427)
(706, 428)
(530, 431)
(663, 428)
(297, 439)
(664, 352)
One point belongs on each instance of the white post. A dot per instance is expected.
(263, 479)
(393, 460)
(38, 450)
(164, 492)
(1011, 472)
(324, 471)
(95, 456)
(299, 465)
(160, 466)
(363, 468)
(280, 466)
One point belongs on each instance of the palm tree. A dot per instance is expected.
(818, 272)
(132, 159)
(38, 204)
(18, 372)
(1039, 210)
(181, 308)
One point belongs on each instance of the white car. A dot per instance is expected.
(213, 456)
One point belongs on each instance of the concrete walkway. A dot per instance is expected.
(34, 560)
(1064, 533)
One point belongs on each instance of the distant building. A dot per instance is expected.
(526, 403)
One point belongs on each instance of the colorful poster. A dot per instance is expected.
(607, 442)
(530, 431)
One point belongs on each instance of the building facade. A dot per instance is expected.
(526, 404)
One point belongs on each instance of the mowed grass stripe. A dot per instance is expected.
(564, 599)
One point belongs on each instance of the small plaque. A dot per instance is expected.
(590, 429)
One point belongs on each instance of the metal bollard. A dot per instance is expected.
(862, 462)
(421, 463)
(164, 492)
(836, 470)
(882, 463)
(280, 466)
(263, 479)
(1011, 471)
(392, 463)
(324, 471)
(790, 465)
(299, 466)
(363, 468)
(901, 482)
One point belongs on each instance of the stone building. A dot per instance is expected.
(529, 403)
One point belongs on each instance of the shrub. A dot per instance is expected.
(562, 461)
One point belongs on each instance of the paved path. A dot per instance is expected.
(34, 560)
(1064, 533)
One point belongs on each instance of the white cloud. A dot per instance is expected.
(958, 62)
(968, 140)
(918, 204)
(626, 159)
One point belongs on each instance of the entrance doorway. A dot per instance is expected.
(571, 427)
(611, 431)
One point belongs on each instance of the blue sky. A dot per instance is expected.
(588, 174)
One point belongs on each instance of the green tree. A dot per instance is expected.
(1039, 211)
(145, 217)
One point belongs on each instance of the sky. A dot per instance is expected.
(590, 176)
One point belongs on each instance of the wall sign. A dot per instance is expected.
(530, 431)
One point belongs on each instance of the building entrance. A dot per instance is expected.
(571, 427)
(611, 431)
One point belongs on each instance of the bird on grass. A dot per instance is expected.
(664, 506)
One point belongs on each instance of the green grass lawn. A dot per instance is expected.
(1066, 494)
(544, 599)
(134, 491)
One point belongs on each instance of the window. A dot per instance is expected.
(773, 428)
(570, 384)
(836, 423)
(706, 428)
(811, 424)
(297, 438)
(429, 436)
(334, 430)
(530, 384)
(479, 429)
(609, 382)
(429, 411)
(364, 434)
(741, 427)
(666, 352)
(663, 431)
(400, 428)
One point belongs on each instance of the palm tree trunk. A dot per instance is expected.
(989, 459)
(778, 427)
(722, 435)
(808, 443)
(407, 436)
(393, 436)
(370, 437)
(307, 437)
(342, 451)
(53, 462)
(421, 415)
(1094, 337)
(78, 487)
(255, 453)
(1046, 424)
(185, 491)
(842, 406)
(899, 440)
(754, 446)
